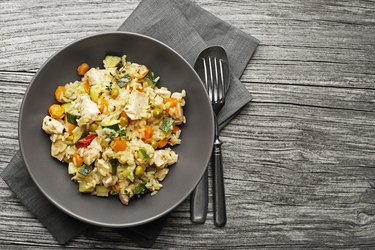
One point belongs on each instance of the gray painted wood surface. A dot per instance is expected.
(299, 161)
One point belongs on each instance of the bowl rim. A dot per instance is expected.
(51, 199)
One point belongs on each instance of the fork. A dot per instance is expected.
(215, 86)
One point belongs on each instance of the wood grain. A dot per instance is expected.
(299, 161)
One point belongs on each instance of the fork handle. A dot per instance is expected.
(220, 214)
(199, 201)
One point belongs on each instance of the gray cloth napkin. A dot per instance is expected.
(188, 29)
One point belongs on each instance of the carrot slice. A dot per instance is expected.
(77, 160)
(60, 93)
(71, 127)
(82, 69)
(56, 111)
(162, 143)
(148, 132)
(119, 145)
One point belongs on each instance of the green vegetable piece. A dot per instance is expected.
(68, 106)
(121, 132)
(101, 191)
(167, 124)
(114, 163)
(111, 61)
(144, 153)
(114, 125)
(95, 93)
(77, 135)
(84, 170)
(72, 169)
(123, 81)
(148, 82)
(72, 118)
(140, 189)
(84, 188)
(151, 76)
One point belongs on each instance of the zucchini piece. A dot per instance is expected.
(114, 164)
(95, 93)
(129, 173)
(167, 124)
(72, 169)
(152, 77)
(111, 61)
(123, 81)
(84, 170)
(84, 188)
(72, 118)
(77, 135)
(114, 124)
(101, 191)
(68, 106)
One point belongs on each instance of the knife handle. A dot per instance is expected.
(199, 201)
(220, 214)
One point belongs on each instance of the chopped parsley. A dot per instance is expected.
(141, 189)
(144, 154)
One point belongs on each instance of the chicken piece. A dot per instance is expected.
(124, 198)
(103, 167)
(110, 180)
(100, 76)
(137, 103)
(88, 108)
(164, 157)
(137, 71)
(58, 149)
(52, 126)
(163, 92)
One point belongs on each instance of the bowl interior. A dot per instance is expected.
(52, 177)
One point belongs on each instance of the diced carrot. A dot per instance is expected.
(77, 160)
(103, 105)
(118, 145)
(86, 87)
(56, 111)
(172, 102)
(175, 129)
(148, 132)
(82, 69)
(116, 188)
(71, 127)
(162, 143)
(60, 93)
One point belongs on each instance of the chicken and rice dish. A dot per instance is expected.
(115, 128)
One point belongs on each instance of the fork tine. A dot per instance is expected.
(222, 86)
(217, 88)
(205, 74)
(211, 81)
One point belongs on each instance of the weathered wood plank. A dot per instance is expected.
(299, 161)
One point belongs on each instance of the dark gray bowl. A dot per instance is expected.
(52, 177)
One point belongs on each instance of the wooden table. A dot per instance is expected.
(299, 160)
